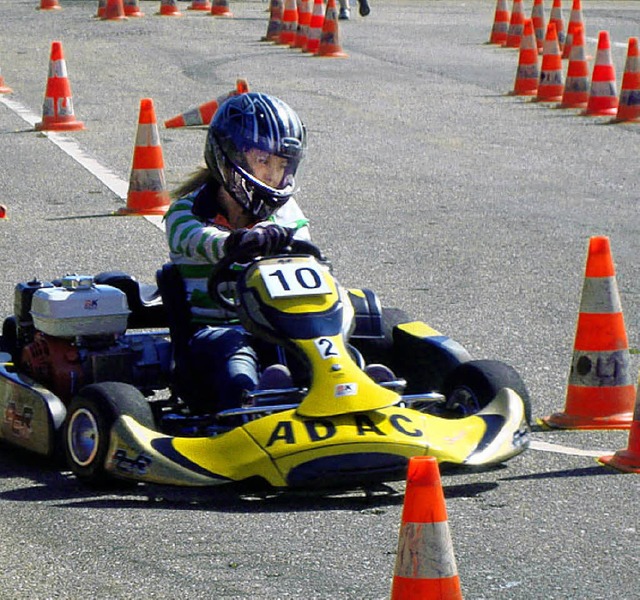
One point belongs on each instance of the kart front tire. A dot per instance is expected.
(470, 386)
(87, 429)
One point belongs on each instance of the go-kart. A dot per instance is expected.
(93, 369)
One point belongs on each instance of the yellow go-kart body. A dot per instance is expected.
(347, 429)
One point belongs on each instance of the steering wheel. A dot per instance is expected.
(223, 273)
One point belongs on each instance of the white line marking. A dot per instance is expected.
(558, 449)
(71, 147)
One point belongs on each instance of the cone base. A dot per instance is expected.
(573, 104)
(61, 126)
(134, 14)
(286, 40)
(446, 587)
(513, 44)
(523, 92)
(498, 40)
(175, 123)
(619, 118)
(332, 54)
(143, 203)
(142, 212)
(567, 421)
(5, 90)
(548, 98)
(623, 460)
(605, 112)
(58, 7)
(223, 13)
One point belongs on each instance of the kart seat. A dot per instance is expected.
(144, 300)
(174, 298)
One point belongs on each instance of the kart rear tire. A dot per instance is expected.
(473, 384)
(87, 429)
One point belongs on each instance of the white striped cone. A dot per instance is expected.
(575, 20)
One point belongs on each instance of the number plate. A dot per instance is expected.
(293, 279)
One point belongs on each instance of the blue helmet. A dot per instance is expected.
(250, 125)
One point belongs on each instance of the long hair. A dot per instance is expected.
(197, 179)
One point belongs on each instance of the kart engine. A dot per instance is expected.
(73, 334)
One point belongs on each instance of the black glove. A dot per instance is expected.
(262, 240)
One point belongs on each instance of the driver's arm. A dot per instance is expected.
(189, 237)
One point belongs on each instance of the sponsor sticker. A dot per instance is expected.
(345, 389)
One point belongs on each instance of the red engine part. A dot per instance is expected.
(55, 363)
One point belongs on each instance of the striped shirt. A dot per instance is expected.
(195, 244)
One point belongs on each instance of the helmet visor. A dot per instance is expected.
(268, 177)
(270, 170)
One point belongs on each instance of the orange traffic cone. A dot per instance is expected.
(600, 392)
(500, 23)
(425, 564)
(49, 5)
(289, 23)
(169, 8)
(315, 27)
(276, 11)
(629, 102)
(304, 20)
(551, 85)
(557, 18)
(330, 37)
(603, 95)
(3, 212)
(114, 11)
(576, 85)
(539, 23)
(147, 193)
(132, 8)
(102, 7)
(628, 460)
(203, 114)
(220, 8)
(528, 72)
(57, 110)
(516, 25)
(200, 5)
(4, 89)
(198, 116)
(575, 20)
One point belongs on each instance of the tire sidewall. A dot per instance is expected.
(484, 379)
(105, 402)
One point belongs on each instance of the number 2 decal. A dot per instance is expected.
(326, 348)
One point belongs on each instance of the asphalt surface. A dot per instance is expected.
(469, 208)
